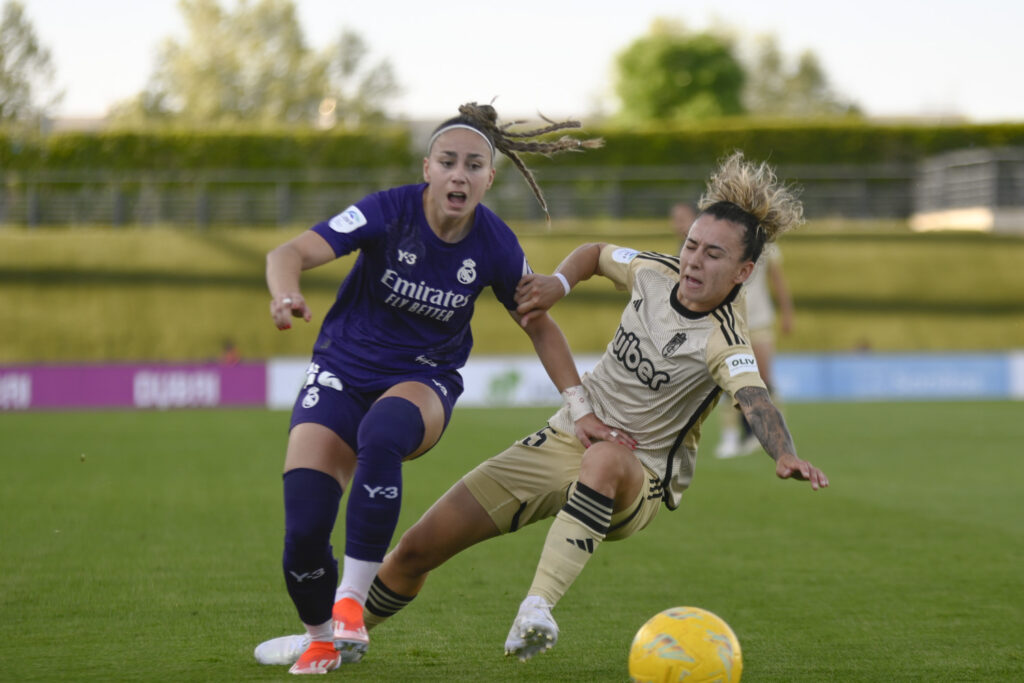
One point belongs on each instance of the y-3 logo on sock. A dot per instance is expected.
(315, 574)
(389, 492)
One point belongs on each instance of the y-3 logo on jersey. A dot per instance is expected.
(406, 257)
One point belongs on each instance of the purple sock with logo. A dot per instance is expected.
(392, 429)
(311, 500)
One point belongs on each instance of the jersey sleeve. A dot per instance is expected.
(621, 265)
(729, 356)
(507, 278)
(617, 264)
(355, 226)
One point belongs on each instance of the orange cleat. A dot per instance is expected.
(319, 658)
(350, 638)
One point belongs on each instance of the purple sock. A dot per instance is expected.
(392, 429)
(311, 500)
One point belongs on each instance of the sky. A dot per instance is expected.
(893, 58)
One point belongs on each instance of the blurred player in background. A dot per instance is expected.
(679, 345)
(682, 215)
(384, 377)
(764, 289)
(229, 354)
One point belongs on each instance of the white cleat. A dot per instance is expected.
(750, 445)
(533, 631)
(283, 651)
(729, 446)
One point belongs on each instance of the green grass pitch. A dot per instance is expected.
(146, 546)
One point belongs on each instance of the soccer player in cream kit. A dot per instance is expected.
(664, 355)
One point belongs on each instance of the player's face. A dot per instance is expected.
(459, 170)
(711, 263)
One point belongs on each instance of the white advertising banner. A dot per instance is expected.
(489, 381)
(512, 381)
(505, 381)
(285, 376)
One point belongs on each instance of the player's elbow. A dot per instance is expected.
(539, 326)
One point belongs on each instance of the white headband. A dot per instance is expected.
(447, 128)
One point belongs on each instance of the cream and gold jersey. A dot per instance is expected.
(666, 366)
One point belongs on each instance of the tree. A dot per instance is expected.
(26, 69)
(774, 88)
(252, 66)
(672, 74)
(357, 92)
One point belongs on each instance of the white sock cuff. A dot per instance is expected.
(356, 579)
(321, 632)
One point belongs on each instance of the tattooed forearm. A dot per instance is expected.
(765, 421)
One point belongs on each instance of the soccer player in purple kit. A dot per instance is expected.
(384, 377)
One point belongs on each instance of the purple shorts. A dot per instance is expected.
(328, 400)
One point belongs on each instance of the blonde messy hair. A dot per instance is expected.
(749, 194)
(484, 118)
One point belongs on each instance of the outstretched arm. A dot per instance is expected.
(537, 293)
(770, 428)
(553, 350)
(284, 264)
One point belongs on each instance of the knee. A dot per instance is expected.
(414, 555)
(394, 426)
(606, 466)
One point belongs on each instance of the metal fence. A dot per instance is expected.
(992, 178)
(240, 197)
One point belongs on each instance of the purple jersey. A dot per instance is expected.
(407, 303)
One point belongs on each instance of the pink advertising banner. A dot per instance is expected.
(157, 385)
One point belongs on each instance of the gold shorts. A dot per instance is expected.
(532, 479)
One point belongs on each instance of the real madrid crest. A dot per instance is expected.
(311, 398)
(677, 340)
(467, 273)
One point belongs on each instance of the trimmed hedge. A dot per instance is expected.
(842, 141)
(124, 151)
(784, 142)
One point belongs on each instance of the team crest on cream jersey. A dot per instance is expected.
(677, 340)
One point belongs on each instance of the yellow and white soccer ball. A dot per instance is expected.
(685, 644)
